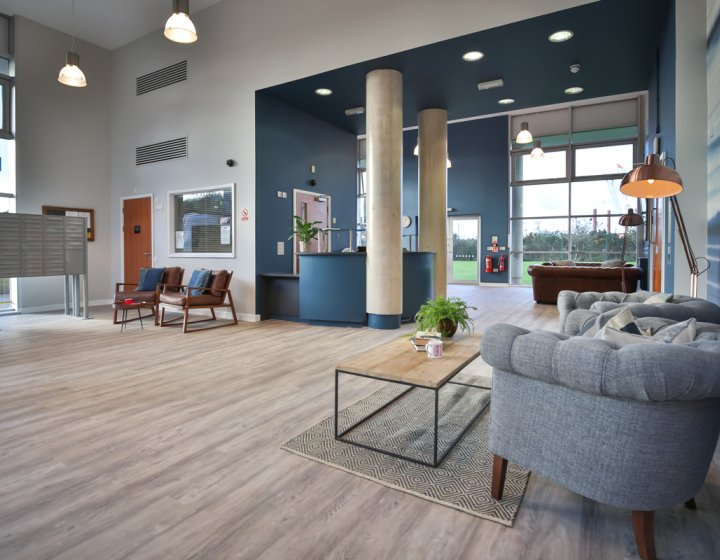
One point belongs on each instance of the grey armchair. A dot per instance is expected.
(634, 428)
(594, 303)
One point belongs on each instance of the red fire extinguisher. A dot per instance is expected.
(501, 264)
(488, 263)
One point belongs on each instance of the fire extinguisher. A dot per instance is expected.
(501, 264)
(488, 263)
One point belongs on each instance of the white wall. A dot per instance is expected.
(242, 47)
(63, 147)
(691, 135)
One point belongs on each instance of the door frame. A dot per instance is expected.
(329, 222)
(449, 252)
(122, 233)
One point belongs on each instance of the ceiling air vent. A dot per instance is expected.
(161, 78)
(162, 151)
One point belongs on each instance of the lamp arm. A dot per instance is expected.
(689, 254)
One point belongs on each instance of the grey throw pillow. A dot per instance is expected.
(612, 264)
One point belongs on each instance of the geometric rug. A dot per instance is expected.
(462, 481)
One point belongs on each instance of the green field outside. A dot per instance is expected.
(465, 271)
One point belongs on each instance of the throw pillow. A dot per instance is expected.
(679, 333)
(149, 279)
(563, 263)
(621, 320)
(612, 264)
(199, 279)
(659, 298)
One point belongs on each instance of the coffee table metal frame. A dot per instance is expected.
(436, 461)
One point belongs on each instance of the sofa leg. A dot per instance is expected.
(643, 527)
(690, 504)
(498, 476)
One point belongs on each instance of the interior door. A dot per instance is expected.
(137, 237)
(463, 249)
(312, 207)
(656, 247)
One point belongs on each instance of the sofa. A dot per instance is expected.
(578, 308)
(549, 279)
(632, 427)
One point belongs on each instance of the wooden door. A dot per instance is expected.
(137, 237)
(312, 207)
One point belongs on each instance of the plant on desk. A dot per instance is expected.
(305, 231)
(444, 315)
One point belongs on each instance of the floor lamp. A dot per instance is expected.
(654, 179)
(631, 219)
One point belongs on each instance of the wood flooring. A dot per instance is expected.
(160, 445)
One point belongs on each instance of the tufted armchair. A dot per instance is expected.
(592, 304)
(633, 428)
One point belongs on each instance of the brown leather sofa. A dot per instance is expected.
(172, 275)
(549, 279)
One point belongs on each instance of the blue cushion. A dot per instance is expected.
(149, 279)
(199, 279)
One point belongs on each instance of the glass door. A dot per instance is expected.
(463, 249)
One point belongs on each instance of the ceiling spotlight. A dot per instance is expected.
(473, 56)
(506, 101)
(354, 111)
(574, 90)
(323, 91)
(524, 136)
(179, 28)
(560, 36)
(574, 68)
(482, 86)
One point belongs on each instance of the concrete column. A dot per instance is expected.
(383, 101)
(432, 196)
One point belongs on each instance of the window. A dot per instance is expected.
(567, 205)
(202, 222)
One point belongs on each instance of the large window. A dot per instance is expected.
(567, 205)
(202, 222)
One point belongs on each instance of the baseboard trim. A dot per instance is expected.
(61, 306)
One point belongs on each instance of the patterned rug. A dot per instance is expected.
(463, 479)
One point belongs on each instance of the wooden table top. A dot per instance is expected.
(399, 361)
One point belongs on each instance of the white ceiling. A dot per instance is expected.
(107, 23)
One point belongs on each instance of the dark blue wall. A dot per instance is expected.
(287, 142)
(661, 121)
(477, 181)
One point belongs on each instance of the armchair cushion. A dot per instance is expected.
(199, 279)
(149, 279)
(218, 282)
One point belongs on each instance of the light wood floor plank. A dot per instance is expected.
(154, 444)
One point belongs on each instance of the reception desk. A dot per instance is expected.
(332, 286)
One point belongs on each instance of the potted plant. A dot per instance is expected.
(444, 315)
(305, 231)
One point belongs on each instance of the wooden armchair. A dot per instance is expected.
(183, 298)
(130, 290)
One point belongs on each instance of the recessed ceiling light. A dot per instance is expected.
(354, 111)
(560, 36)
(473, 56)
(574, 90)
(323, 91)
(506, 101)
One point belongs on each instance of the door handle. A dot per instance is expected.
(146, 254)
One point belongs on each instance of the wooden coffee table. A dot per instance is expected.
(398, 362)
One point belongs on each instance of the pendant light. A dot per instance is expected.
(524, 136)
(179, 28)
(70, 74)
(416, 152)
(537, 152)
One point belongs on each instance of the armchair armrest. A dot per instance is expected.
(640, 372)
(124, 284)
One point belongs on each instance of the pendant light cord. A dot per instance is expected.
(72, 24)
